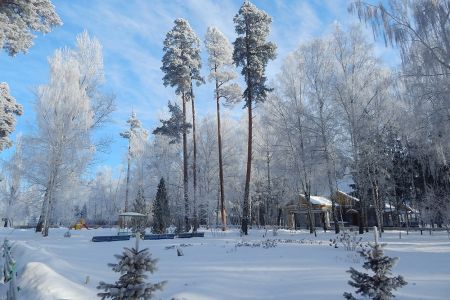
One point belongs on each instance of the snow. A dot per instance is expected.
(348, 196)
(131, 214)
(318, 200)
(215, 267)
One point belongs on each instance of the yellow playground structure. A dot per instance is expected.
(79, 225)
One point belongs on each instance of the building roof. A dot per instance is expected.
(318, 200)
(131, 214)
(348, 196)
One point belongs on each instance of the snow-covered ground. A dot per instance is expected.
(216, 267)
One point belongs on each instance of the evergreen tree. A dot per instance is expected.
(83, 213)
(139, 202)
(132, 265)
(252, 53)
(9, 109)
(380, 285)
(181, 66)
(18, 20)
(161, 214)
(139, 206)
(174, 126)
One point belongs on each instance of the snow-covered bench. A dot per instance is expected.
(110, 238)
(159, 236)
(191, 235)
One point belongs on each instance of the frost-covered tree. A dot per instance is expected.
(161, 213)
(137, 138)
(140, 206)
(132, 285)
(421, 32)
(407, 24)
(292, 119)
(360, 83)
(19, 18)
(252, 52)
(64, 118)
(68, 108)
(9, 109)
(139, 202)
(222, 73)
(181, 66)
(380, 284)
(318, 64)
(13, 183)
(103, 201)
(163, 159)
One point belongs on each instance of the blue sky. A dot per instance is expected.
(132, 34)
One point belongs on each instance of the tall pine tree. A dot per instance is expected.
(220, 63)
(252, 52)
(181, 66)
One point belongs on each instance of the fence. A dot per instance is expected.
(9, 271)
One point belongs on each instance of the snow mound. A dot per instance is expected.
(38, 281)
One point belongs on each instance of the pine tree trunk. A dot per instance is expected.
(185, 168)
(246, 208)
(219, 140)
(194, 162)
(128, 177)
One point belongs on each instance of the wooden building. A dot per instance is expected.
(297, 213)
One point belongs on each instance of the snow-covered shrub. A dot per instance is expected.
(266, 244)
(133, 264)
(350, 241)
(380, 285)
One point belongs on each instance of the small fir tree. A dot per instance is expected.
(380, 285)
(139, 202)
(133, 264)
(161, 214)
(139, 206)
(83, 212)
